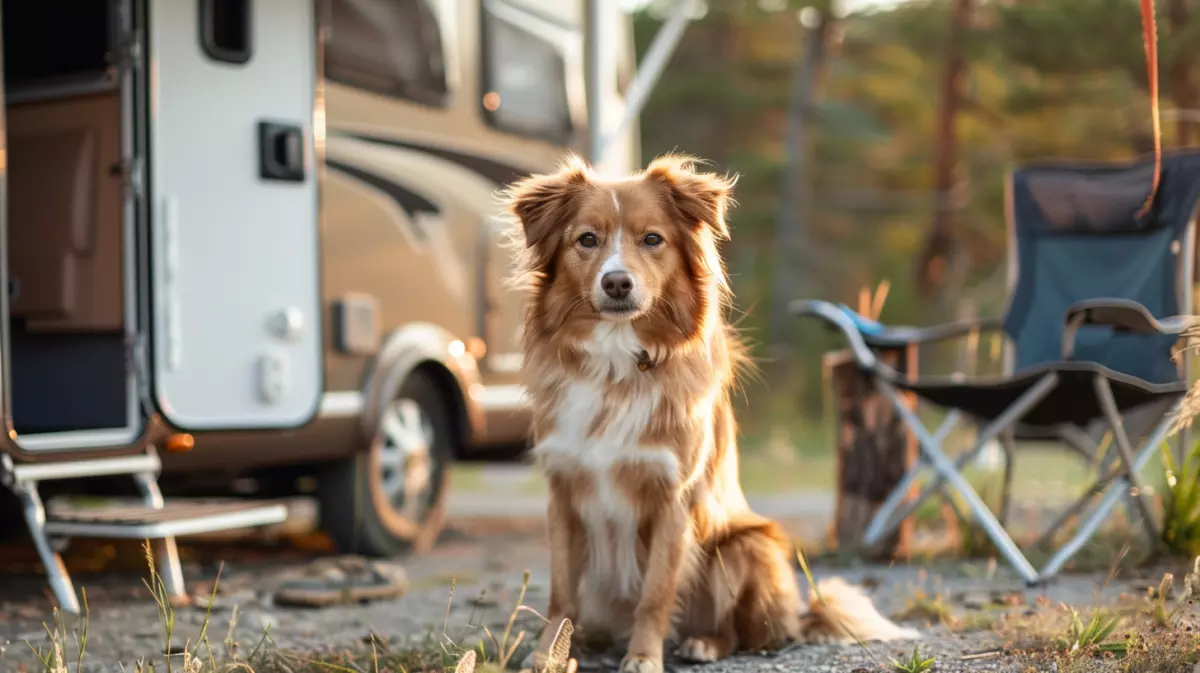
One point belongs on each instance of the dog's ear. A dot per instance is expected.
(544, 203)
(701, 198)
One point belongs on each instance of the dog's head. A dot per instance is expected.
(641, 249)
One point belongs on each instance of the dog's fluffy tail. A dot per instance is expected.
(842, 613)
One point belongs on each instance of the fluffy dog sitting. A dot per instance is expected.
(629, 361)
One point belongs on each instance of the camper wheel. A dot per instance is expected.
(392, 498)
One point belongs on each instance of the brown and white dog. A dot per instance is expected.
(629, 362)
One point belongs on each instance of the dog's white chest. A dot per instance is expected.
(586, 443)
(594, 435)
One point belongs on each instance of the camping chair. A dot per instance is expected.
(1091, 324)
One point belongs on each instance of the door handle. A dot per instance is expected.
(280, 151)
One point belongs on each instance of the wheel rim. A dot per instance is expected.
(406, 457)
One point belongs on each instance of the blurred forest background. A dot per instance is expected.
(873, 145)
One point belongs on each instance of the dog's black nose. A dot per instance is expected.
(617, 284)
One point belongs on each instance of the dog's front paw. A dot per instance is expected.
(699, 650)
(636, 664)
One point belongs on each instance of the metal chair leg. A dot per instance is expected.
(945, 470)
(56, 570)
(992, 430)
(1139, 493)
(883, 522)
(1112, 494)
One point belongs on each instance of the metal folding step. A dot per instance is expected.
(153, 519)
(173, 519)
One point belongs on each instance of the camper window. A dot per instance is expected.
(225, 29)
(524, 76)
(392, 47)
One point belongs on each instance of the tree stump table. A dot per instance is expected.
(874, 450)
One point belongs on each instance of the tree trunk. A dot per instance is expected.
(874, 450)
(791, 232)
(934, 259)
(1181, 71)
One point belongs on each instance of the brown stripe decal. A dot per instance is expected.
(496, 171)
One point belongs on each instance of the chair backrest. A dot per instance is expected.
(1075, 234)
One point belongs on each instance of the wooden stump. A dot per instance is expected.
(874, 450)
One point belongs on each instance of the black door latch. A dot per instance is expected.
(280, 151)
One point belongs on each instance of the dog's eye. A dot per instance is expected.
(589, 241)
(652, 240)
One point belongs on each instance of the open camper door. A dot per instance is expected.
(234, 223)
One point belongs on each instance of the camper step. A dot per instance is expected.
(75, 469)
(174, 519)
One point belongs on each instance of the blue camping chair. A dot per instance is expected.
(1090, 325)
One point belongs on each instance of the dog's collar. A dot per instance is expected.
(644, 362)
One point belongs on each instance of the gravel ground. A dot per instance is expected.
(124, 625)
(485, 552)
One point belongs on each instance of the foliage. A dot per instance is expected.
(1093, 634)
(1181, 503)
(1043, 80)
(915, 663)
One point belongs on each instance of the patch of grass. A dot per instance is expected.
(1160, 637)
(930, 608)
(1162, 652)
(1092, 635)
(978, 621)
(1162, 613)
(915, 663)
(485, 653)
(1181, 502)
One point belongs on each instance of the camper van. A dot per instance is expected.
(260, 241)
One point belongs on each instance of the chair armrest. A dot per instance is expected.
(865, 334)
(838, 318)
(903, 336)
(1121, 315)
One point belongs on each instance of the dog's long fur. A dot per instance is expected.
(650, 534)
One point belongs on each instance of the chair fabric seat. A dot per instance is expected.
(1073, 400)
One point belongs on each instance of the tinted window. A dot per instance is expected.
(524, 81)
(392, 47)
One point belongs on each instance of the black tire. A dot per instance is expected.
(357, 511)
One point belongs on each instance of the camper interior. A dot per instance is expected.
(70, 229)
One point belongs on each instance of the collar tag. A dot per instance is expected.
(644, 363)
